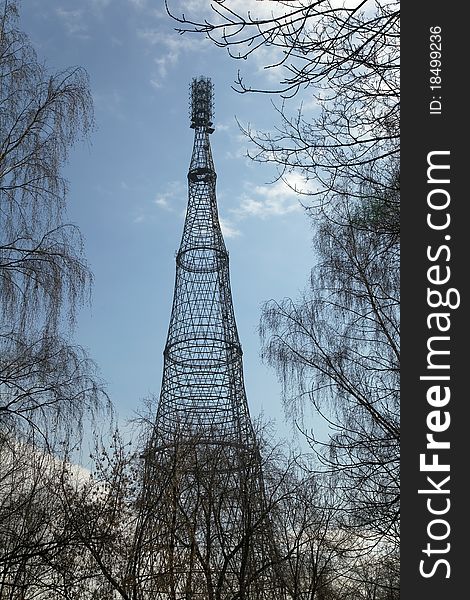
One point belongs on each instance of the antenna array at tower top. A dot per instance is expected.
(202, 103)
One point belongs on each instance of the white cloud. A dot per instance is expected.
(99, 4)
(200, 8)
(170, 48)
(273, 200)
(238, 146)
(74, 22)
(162, 201)
(172, 197)
(138, 3)
(225, 127)
(151, 36)
(149, 8)
(109, 103)
(172, 42)
(228, 228)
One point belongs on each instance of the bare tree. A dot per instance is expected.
(338, 348)
(343, 59)
(49, 388)
(33, 533)
(43, 275)
(42, 269)
(153, 523)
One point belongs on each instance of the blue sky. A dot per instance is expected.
(128, 187)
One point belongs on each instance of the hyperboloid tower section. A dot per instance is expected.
(202, 390)
(210, 536)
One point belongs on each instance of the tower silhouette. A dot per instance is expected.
(211, 537)
(202, 385)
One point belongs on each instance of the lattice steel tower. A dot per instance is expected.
(211, 538)
(203, 378)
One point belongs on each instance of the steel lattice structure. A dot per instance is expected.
(202, 383)
(211, 538)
